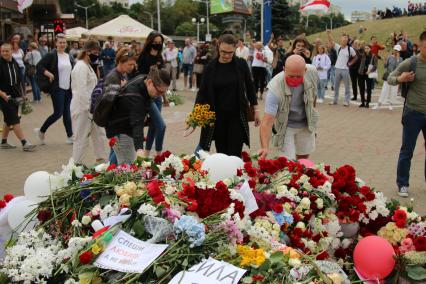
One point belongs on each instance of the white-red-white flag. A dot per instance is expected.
(316, 5)
(24, 4)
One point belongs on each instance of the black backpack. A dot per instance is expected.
(105, 106)
(406, 86)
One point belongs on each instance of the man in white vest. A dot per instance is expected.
(290, 105)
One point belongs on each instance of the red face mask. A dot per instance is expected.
(294, 81)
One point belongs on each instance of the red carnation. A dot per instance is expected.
(8, 197)
(245, 156)
(3, 204)
(278, 208)
(420, 243)
(220, 185)
(86, 257)
(370, 196)
(400, 218)
(192, 205)
(112, 141)
(322, 256)
(252, 183)
(111, 167)
(258, 277)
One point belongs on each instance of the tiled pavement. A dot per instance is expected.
(368, 139)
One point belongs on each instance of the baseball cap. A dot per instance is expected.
(397, 47)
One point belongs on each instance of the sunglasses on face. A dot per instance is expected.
(159, 91)
(223, 52)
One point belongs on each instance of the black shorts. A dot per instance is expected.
(10, 112)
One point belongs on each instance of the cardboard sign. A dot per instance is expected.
(128, 254)
(210, 271)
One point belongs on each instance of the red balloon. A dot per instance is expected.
(374, 258)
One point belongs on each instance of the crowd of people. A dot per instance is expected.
(228, 75)
(414, 8)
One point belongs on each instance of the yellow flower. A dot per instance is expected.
(89, 278)
(96, 249)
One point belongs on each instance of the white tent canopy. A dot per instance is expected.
(75, 33)
(122, 28)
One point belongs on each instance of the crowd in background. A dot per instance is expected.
(413, 9)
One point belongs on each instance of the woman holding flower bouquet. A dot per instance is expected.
(228, 89)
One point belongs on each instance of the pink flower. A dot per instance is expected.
(407, 242)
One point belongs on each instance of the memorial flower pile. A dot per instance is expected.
(278, 220)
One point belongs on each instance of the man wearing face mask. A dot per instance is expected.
(290, 104)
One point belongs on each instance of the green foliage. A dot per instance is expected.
(285, 18)
(416, 272)
(319, 24)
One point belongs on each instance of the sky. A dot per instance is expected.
(360, 5)
(367, 5)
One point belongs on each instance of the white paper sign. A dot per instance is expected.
(250, 202)
(128, 254)
(210, 271)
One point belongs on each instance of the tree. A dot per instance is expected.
(285, 18)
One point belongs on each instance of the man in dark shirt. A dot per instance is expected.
(10, 94)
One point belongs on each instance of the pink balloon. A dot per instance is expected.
(307, 163)
(374, 258)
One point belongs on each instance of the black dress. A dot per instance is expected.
(228, 89)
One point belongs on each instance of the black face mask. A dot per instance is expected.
(93, 58)
(157, 46)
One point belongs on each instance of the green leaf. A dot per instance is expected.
(247, 280)
(4, 279)
(160, 271)
(185, 262)
(139, 229)
(416, 272)
(265, 266)
(276, 257)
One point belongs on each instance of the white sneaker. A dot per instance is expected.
(320, 101)
(40, 136)
(375, 107)
(403, 191)
(345, 104)
(69, 141)
(390, 107)
(28, 147)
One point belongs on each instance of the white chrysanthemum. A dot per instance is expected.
(101, 167)
(85, 220)
(172, 162)
(148, 210)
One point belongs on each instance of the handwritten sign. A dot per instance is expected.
(128, 254)
(210, 271)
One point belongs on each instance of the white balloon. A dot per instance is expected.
(238, 162)
(5, 211)
(221, 166)
(17, 216)
(37, 186)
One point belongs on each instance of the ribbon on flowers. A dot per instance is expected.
(124, 214)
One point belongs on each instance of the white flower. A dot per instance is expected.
(293, 191)
(228, 181)
(320, 203)
(170, 189)
(146, 164)
(86, 220)
(101, 167)
(301, 225)
(130, 187)
(203, 154)
(148, 210)
(235, 195)
(294, 262)
(346, 243)
(173, 162)
(305, 203)
(76, 223)
(96, 210)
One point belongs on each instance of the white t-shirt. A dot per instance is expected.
(269, 56)
(64, 69)
(19, 57)
(343, 56)
(242, 53)
(258, 56)
(323, 61)
(171, 56)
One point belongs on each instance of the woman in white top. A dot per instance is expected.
(57, 66)
(322, 62)
(83, 81)
(18, 54)
(32, 57)
(258, 68)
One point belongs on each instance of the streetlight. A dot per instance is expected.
(152, 18)
(207, 2)
(85, 9)
(198, 23)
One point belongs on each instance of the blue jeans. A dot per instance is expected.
(36, 89)
(413, 122)
(322, 83)
(112, 157)
(331, 75)
(157, 127)
(61, 107)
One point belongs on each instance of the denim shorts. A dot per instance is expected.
(187, 69)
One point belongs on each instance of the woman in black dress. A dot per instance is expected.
(227, 86)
